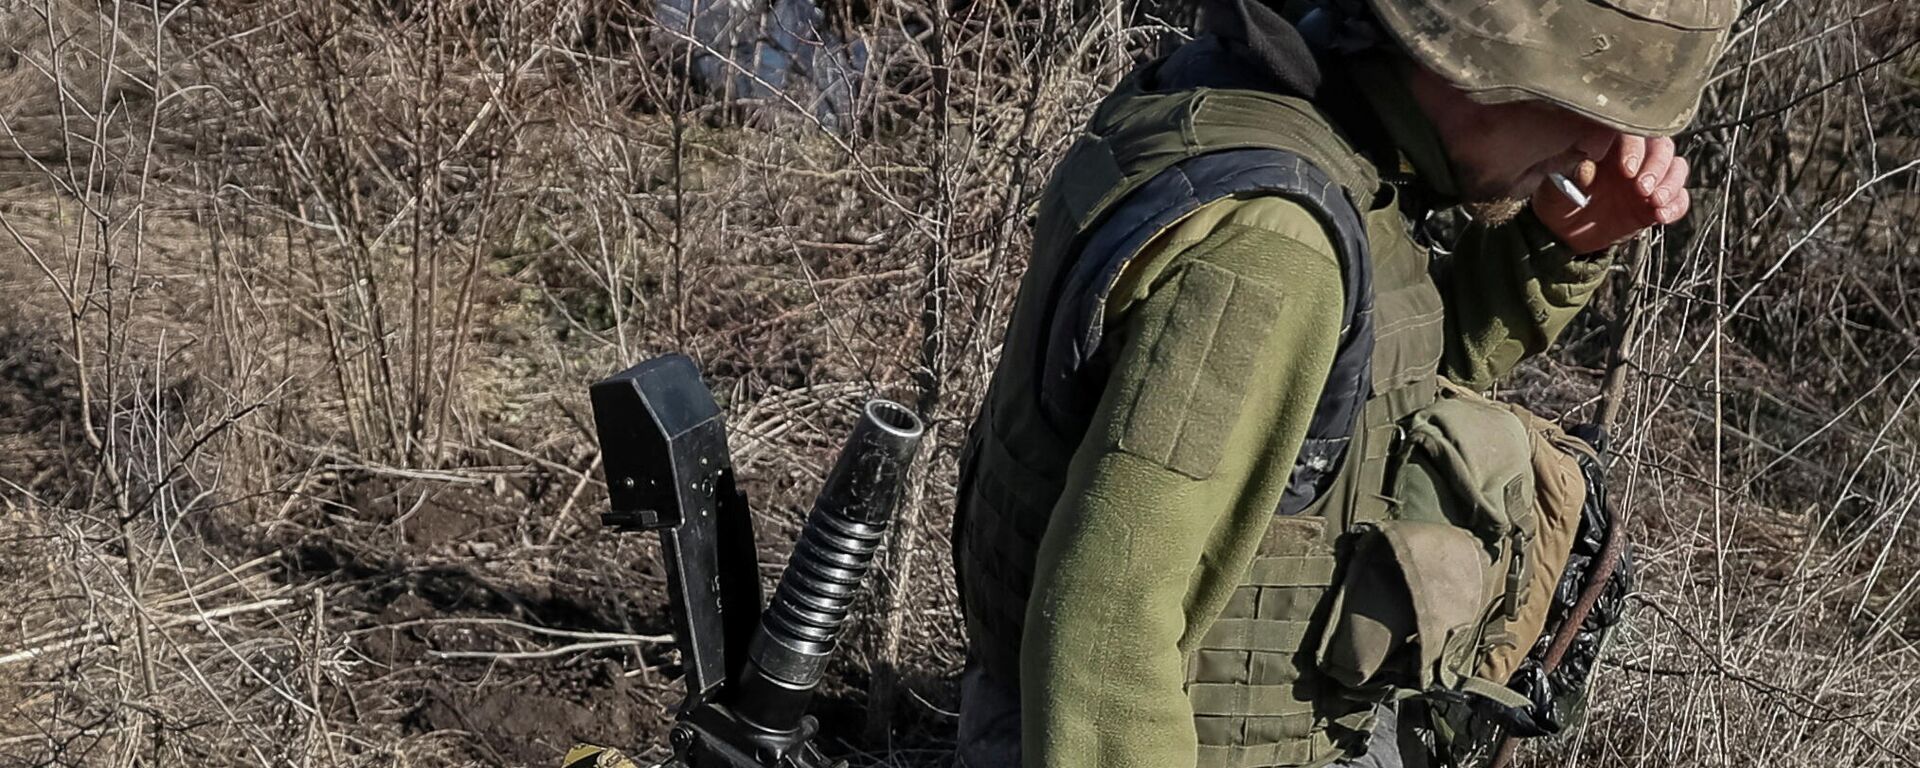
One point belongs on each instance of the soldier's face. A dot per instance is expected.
(1514, 146)
(1504, 152)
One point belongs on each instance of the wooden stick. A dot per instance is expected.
(1612, 393)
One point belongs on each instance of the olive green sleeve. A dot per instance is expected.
(1218, 362)
(1510, 290)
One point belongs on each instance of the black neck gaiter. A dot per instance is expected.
(1257, 34)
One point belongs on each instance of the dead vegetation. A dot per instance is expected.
(298, 303)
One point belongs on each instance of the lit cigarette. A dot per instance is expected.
(1566, 187)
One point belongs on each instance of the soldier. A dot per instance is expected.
(1212, 510)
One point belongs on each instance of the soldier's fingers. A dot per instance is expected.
(1673, 183)
(1586, 173)
(1675, 209)
(1654, 168)
(1628, 152)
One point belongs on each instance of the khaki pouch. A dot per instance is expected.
(1450, 591)
(1413, 596)
(1560, 490)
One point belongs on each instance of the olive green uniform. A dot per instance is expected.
(1096, 559)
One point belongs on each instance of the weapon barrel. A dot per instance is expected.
(802, 623)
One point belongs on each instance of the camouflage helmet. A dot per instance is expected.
(1635, 65)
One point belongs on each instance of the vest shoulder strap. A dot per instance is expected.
(1137, 134)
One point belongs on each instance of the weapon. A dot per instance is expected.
(750, 675)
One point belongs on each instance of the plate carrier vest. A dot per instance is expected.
(1147, 159)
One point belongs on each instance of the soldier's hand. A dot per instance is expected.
(1640, 183)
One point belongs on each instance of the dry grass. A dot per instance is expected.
(298, 303)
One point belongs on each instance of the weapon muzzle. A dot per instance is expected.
(802, 623)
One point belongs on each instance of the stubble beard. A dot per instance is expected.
(1492, 200)
(1496, 211)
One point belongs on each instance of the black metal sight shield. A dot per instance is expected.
(663, 446)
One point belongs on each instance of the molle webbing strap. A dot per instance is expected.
(1291, 571)
(1289, 752)
(1284, 753)
(1257, 701)
(1295, 738)
(1271, 635)
(1079, 322)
